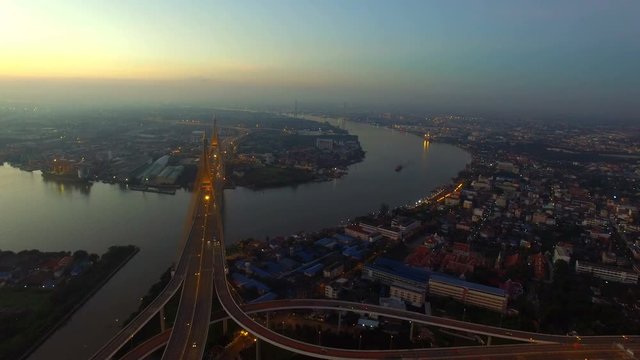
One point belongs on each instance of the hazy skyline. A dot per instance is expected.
(545, 57)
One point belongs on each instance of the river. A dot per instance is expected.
(374, 181)
(49, 216)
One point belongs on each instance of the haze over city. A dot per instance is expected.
(530, 59)
(327, 179)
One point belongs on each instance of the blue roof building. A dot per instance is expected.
(313, 270)
(245, 282)
(344, 239)
(326, 242)
(389, 271)
(304, 255)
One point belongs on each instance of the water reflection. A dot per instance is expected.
(67, 188)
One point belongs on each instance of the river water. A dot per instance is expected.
(35, 214)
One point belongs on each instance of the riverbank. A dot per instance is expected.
(271, 177)
(368, 184)
(32, 313)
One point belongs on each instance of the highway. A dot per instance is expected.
(261, 332)
(187, 330)
(187, 246)
(191, 327)
(577, 350)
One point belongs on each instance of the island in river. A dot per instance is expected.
(301, 152)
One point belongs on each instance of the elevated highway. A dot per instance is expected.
(263, 333)
(193, 258)
(191, 326)
(188, 245)
(588, 347)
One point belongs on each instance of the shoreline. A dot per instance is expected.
(62, 321)
(295, 184)
(439, 190)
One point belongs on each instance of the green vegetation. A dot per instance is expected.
(30, 315)
(273, 157)
(276, 141)
(271, 176)
(567, 305)
(152, 327)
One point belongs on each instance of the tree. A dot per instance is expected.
(80, 254)
(384, 209)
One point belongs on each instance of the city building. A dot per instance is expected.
(390, 272)
(357, 232)
(468, 293)
(331, 290)
(562, 253)
(399, 227)
(333, 270)
(324, 144)
(313, 270)
(392, 233)
(610, 273)
(411, 294)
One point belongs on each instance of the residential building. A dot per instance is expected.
(333, 270)
(468, 293)
(411, 294)
(392, 272)
(610, 273)
(331, 290)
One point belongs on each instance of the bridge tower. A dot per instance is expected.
(206, 181)
(215, 138)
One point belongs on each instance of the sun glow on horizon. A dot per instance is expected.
(465, 55)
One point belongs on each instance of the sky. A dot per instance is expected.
(579, 58)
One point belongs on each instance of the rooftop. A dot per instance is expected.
(400, 269)
(468, 285)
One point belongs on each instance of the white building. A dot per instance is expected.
(607, 272)
(411, 294)
(468, 293)
(331, 290)
(562, 253)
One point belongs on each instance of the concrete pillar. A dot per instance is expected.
(488, 340)
(225, 327)
(258, 349)
(163, 323)
(411, 331)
